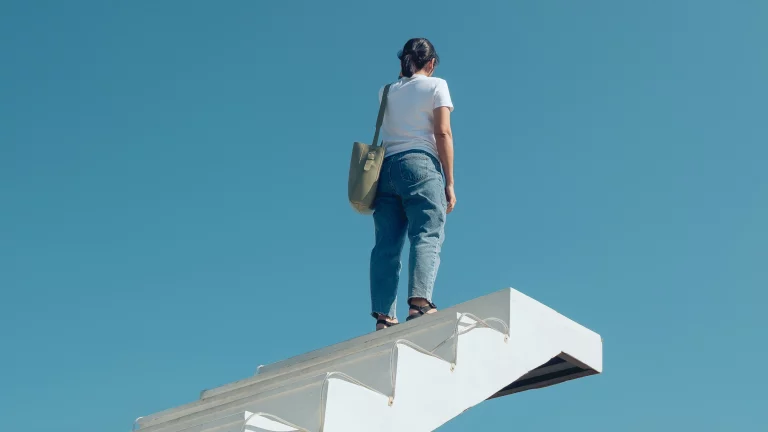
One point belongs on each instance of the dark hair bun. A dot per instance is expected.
(415, 55)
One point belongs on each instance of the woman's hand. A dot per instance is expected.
(450, 197)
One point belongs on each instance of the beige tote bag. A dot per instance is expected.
(365, 167)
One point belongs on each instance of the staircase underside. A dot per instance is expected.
(560, 369)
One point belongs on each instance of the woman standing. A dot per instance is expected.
(415, 190)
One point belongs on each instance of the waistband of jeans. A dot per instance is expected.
(424, 152)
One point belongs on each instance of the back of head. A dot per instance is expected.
(416, 54)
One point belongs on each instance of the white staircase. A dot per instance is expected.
(411, 377)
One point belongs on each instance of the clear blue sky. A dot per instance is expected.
(173, 197)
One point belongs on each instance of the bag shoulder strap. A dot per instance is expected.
(380, 119)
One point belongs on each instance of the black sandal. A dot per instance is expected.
(421, 310)
(386, 323)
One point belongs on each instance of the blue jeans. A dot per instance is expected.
(410, 200)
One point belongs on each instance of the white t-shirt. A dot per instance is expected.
(409, 118)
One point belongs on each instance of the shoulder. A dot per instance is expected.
(381, 89)
(437, 80)
(441, 94)
(438, 84)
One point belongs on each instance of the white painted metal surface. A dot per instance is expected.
(411, 377)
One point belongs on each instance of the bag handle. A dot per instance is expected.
(380, 118)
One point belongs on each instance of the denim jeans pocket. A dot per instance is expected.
(414, 167)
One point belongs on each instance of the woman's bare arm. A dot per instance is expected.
(444, 138)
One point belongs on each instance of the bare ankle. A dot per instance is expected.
(417, 301)
(386, 318)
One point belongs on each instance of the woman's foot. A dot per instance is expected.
(419, 307)
(383, 321)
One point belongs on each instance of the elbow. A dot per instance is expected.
(443, 134)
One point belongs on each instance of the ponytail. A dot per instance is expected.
(408, 64)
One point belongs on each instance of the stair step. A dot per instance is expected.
(492, 346)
